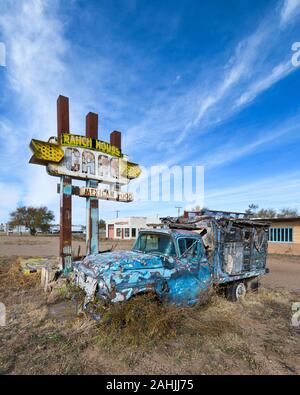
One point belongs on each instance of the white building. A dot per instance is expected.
(6, 228)
(128, 228)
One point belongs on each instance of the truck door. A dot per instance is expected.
(191, 277)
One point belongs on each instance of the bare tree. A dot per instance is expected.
(288, 212)
(101, 224)
(266, 213)
(251, 210)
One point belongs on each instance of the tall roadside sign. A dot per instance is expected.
(72, 156)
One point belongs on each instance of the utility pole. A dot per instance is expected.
(117, 213)
(178, 208)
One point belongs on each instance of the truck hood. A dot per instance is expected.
(97, 264)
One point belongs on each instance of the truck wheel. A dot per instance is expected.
(253, 285)
(236, 291)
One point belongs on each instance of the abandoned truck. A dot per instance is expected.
(180, 263)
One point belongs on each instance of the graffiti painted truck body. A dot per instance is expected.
(181, 266)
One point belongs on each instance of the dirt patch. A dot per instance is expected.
(21, 242)
(144, 336)
(284, 272)
(44, 246)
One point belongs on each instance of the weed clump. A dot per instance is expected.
(145, 321)
(12, 278)
(141, 320)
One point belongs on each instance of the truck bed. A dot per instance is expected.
(236, 247)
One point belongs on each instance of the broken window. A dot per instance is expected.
(188, 247)
(155, 243)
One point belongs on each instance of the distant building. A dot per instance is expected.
(55, 229)
(8, 229)
(128, 228)
(284, 235)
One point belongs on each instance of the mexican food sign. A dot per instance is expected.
(106, 194)
(84, 158)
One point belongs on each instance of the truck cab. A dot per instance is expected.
(170, 263)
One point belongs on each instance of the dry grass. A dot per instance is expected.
(12, 279)
(143, 335)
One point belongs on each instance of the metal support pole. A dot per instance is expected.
(115, 139)
(65, 235)
(92, 204)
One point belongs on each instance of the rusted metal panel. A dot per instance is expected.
(65, 236)
(115, 138)
(92, 205)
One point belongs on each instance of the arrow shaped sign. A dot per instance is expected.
(45, 152)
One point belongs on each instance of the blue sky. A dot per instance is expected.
(187, 82)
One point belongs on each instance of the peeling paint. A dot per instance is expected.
(231, 250)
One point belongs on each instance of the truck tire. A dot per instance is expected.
(253, 284)
(236, 291)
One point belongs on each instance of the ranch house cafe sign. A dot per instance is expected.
(84, 158)
(71, 156)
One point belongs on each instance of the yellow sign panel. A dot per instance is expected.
(130, 170)
(82, 162)
(47, 152)
(74, 140)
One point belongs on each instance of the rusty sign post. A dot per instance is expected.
(65, 235)
(71, 156)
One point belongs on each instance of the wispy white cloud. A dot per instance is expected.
(36, 74)
(9, 197)
(273, 192)
(276, 74)
(36, 70)
(243, 144)
(43, 63)
(254, 66)
(289, 10)
(248, 74)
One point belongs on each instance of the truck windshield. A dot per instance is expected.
(155, 243)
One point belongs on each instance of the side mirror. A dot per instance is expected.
(168, 264)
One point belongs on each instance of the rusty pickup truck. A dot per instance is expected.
(181, 264)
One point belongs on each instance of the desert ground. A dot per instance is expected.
(48, 333)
